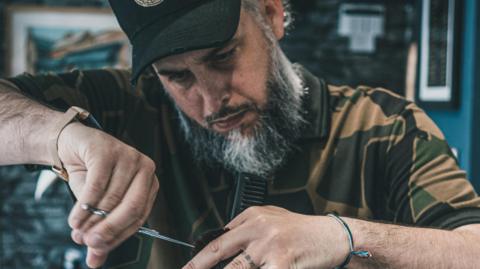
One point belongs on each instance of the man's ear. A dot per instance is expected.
(274, 13)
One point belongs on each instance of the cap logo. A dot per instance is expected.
(149, 3)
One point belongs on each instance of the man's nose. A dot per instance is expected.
(215, 93)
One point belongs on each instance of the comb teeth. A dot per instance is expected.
(253, 195)
(251, 191)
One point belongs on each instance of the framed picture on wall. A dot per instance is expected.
(438, 84)
(45, 39)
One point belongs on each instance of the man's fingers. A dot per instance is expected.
(243, 261)
(228, 245)
(96, 258)
(242, 217)
(116, 241)
(122, 177)
(96, 183)
(77, 237)
(131, 211)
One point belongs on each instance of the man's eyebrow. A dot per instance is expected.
(204, 59)
(211, 55)
(170, 72)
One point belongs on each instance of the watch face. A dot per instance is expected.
(149, 3)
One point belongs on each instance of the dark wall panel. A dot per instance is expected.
(314, 41)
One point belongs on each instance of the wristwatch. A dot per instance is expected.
(73, 114)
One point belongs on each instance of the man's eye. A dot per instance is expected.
(179, 76)
(224, 57)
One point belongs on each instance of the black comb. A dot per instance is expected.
(250, 190)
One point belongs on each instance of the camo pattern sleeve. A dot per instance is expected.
(426, 185)
(385, 159)
(105, 93)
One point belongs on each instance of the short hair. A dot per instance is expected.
(252, 7)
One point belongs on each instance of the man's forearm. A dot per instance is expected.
(395, 246)
(24, 128)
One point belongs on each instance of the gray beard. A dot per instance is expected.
(265, 148)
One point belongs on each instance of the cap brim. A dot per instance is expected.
(209, 24)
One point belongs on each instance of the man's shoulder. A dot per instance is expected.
(368, 99)
(118, 79)
(73, 78)
(369, 112)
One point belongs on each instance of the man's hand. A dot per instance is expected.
(110, 175)
(272, 237)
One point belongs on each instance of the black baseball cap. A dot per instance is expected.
(160, 28)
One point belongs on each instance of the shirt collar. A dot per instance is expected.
(316, 106)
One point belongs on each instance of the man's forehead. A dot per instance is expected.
(181, 58)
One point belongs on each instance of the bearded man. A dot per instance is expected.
(231, 110)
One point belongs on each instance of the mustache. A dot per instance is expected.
(226, 111)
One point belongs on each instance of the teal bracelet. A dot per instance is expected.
(362, 253)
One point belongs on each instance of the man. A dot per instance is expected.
(232, 105)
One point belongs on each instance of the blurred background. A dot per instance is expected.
(426, 50)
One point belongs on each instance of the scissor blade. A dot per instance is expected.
(142, 230)
(155, 234)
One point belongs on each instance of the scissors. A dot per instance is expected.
(141, 230)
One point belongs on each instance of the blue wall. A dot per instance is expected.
(458, 125)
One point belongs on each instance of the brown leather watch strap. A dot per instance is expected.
(72, 114)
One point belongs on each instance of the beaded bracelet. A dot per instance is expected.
(361, 253)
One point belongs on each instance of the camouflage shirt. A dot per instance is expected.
(366, 153)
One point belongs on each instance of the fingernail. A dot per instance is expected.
(77, 236)
(91, 260)
(74, 222)
(94, 260)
